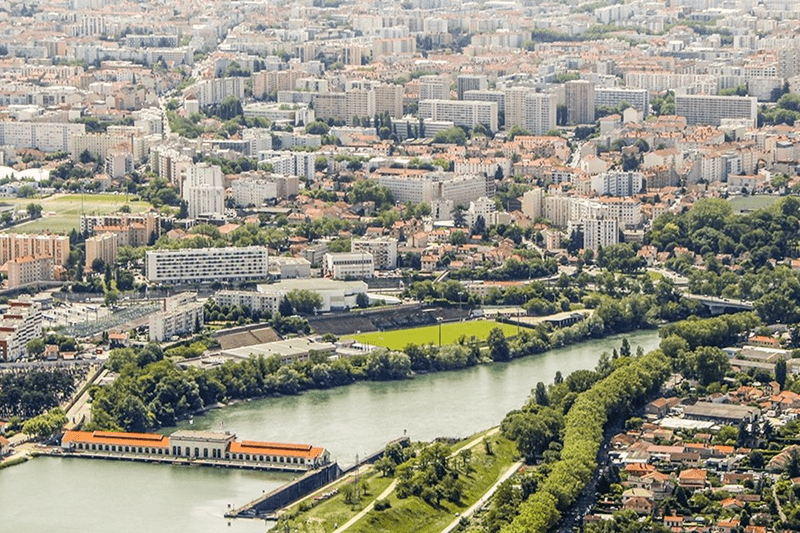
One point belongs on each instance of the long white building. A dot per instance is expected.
(467, 113)
(206, 265)
(44, 136)
(705, 109)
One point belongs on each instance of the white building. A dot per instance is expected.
(599, 232)
(246, 191)
(348, 265)
(618, 183)
(44, 136)
(614, 96)
(383, 251)
(21, 323)
(207, 265)
(204, 189)
(465, 113)
(214, 91)
(182, 315)
(705, 109)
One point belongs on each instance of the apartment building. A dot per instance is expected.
(26, 270)
(207, 265)
(434, 87)
(464, 113)
(204, 189)
(131, 229)
(618, 183)
(248, 191)
(539, 114)
(215, 90)
(21, 322)
(383, 251)
(118, 139)
(272, 81)
(470, 82)
(44, 136)
(17, 245)
(182, 314)
(705, 109)
(103, 246)
(579, 96)
(598, 232)
(347, 265)
(615, 96)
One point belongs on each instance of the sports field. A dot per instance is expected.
(451, 332)
(61, 212)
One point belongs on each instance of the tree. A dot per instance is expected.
(625, 349)
(780, 373)
(498, 345)
(35, 346)
(304, 302)
(362, 300)
(34, 210)
(540, 394)
(285, 307)
(709, 364)
(98, 265)
(45, 425)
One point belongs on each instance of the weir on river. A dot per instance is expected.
(48, 494)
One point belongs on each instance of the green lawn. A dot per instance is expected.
(61, 212)
(751, 203)
(451, 332)
(408, 514)
(324, 517)
(413, 514)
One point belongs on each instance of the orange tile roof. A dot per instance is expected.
(275, 448)
(117, 438)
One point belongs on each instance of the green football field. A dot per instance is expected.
(61, 212)
(451, 332)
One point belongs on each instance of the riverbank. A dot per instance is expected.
(348, 421)
(480, 460)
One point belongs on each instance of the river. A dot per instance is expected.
(94, 496)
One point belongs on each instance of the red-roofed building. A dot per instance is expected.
(196, 446)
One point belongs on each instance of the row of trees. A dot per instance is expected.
(615, 396)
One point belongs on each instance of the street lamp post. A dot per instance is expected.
(439, 320)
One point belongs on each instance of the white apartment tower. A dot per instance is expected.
(204, 189)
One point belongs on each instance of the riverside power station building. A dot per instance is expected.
(205, 447)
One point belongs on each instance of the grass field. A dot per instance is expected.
(324, 517)
(413, 514)
(451, 332)
(61, 212)
(750, 203)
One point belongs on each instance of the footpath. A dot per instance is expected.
(385, 494)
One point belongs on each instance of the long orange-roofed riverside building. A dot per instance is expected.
(208, 447)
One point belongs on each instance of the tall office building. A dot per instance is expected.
(579, 96)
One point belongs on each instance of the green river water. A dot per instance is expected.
(69, 495)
